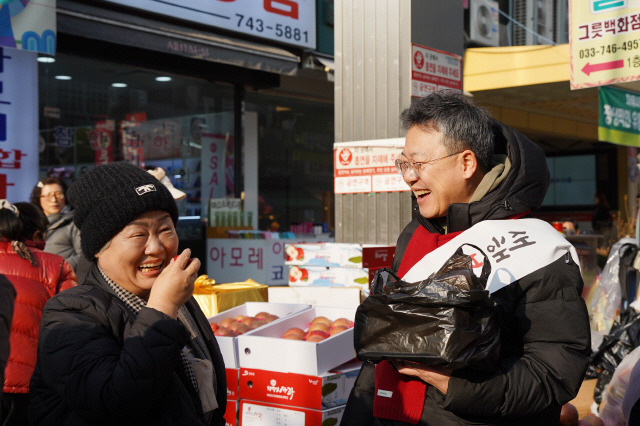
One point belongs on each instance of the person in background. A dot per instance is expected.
(63, 237)
(466, 169)
(129, 345)
(7, 298)
(36, 277)
(570, 227)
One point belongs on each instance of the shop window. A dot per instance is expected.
(573, 180)
(95, 112)
(295, 140)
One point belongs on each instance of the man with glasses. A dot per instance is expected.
(473, 179)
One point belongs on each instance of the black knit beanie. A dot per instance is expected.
(107, 198)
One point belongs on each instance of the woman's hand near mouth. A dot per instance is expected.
(174, 285)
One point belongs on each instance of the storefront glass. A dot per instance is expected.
(94, 112)
(296, 162)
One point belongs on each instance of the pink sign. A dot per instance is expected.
(434, 70)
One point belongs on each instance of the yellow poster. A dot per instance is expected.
(604, 38)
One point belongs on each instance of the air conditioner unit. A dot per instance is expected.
(484, 22)
(544, 22)
(541, 19)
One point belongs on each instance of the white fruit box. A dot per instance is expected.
(229, 345)
(338, 297)
(265, 349)
(254, 413)
(328, 276)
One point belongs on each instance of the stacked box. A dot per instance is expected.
(231, 413)
(335, 264)
(233, 383)
(328, 276)
(267, 414)
(327, 390)
(323, 254)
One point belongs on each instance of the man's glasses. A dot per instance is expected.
(414, 166)
(53, 195)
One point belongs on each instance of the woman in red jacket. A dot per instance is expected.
(36, 277)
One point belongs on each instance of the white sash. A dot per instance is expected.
(515, 248)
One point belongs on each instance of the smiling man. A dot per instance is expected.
(129, 345)
(464, 169)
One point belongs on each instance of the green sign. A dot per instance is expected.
(619, 120)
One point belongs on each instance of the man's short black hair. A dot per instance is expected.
(462, 124)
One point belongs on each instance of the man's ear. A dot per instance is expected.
(469, 163)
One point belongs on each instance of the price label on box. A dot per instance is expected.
(236, 260)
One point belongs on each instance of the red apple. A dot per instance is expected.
(315, 338)
(242, 328)
(294, 330)
(321, 319)
(249, 321)
(262, 315)
(236, 325)
(270, 318)
(337, 329)
(569, 415)
(322, 333)
(227, 322)
(318, 326)
(342, 321)
(293, 336)
(214, 326)
(222, 331)
(591, 420)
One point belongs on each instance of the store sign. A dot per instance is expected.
(434, 70)
(213, 171)
(619, 116)
(367, 166)
(285, 21)
(236, 260)
(604, 42)
(18, 131)
(28, 25)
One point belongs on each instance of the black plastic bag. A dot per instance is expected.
(446, 320)
(623, 338)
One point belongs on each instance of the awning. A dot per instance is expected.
(488, 68)
(130, 30)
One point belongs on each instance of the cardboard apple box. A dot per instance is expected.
(228, 345)
(265, 349)
(323, 254)
(377, 256)
(255, 413)
(231, 414)
(327, 390)
(339, 254)
(333, 276)
(233, 383)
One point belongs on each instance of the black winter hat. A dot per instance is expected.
(107, 198)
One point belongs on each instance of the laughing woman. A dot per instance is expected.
(130, 345)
